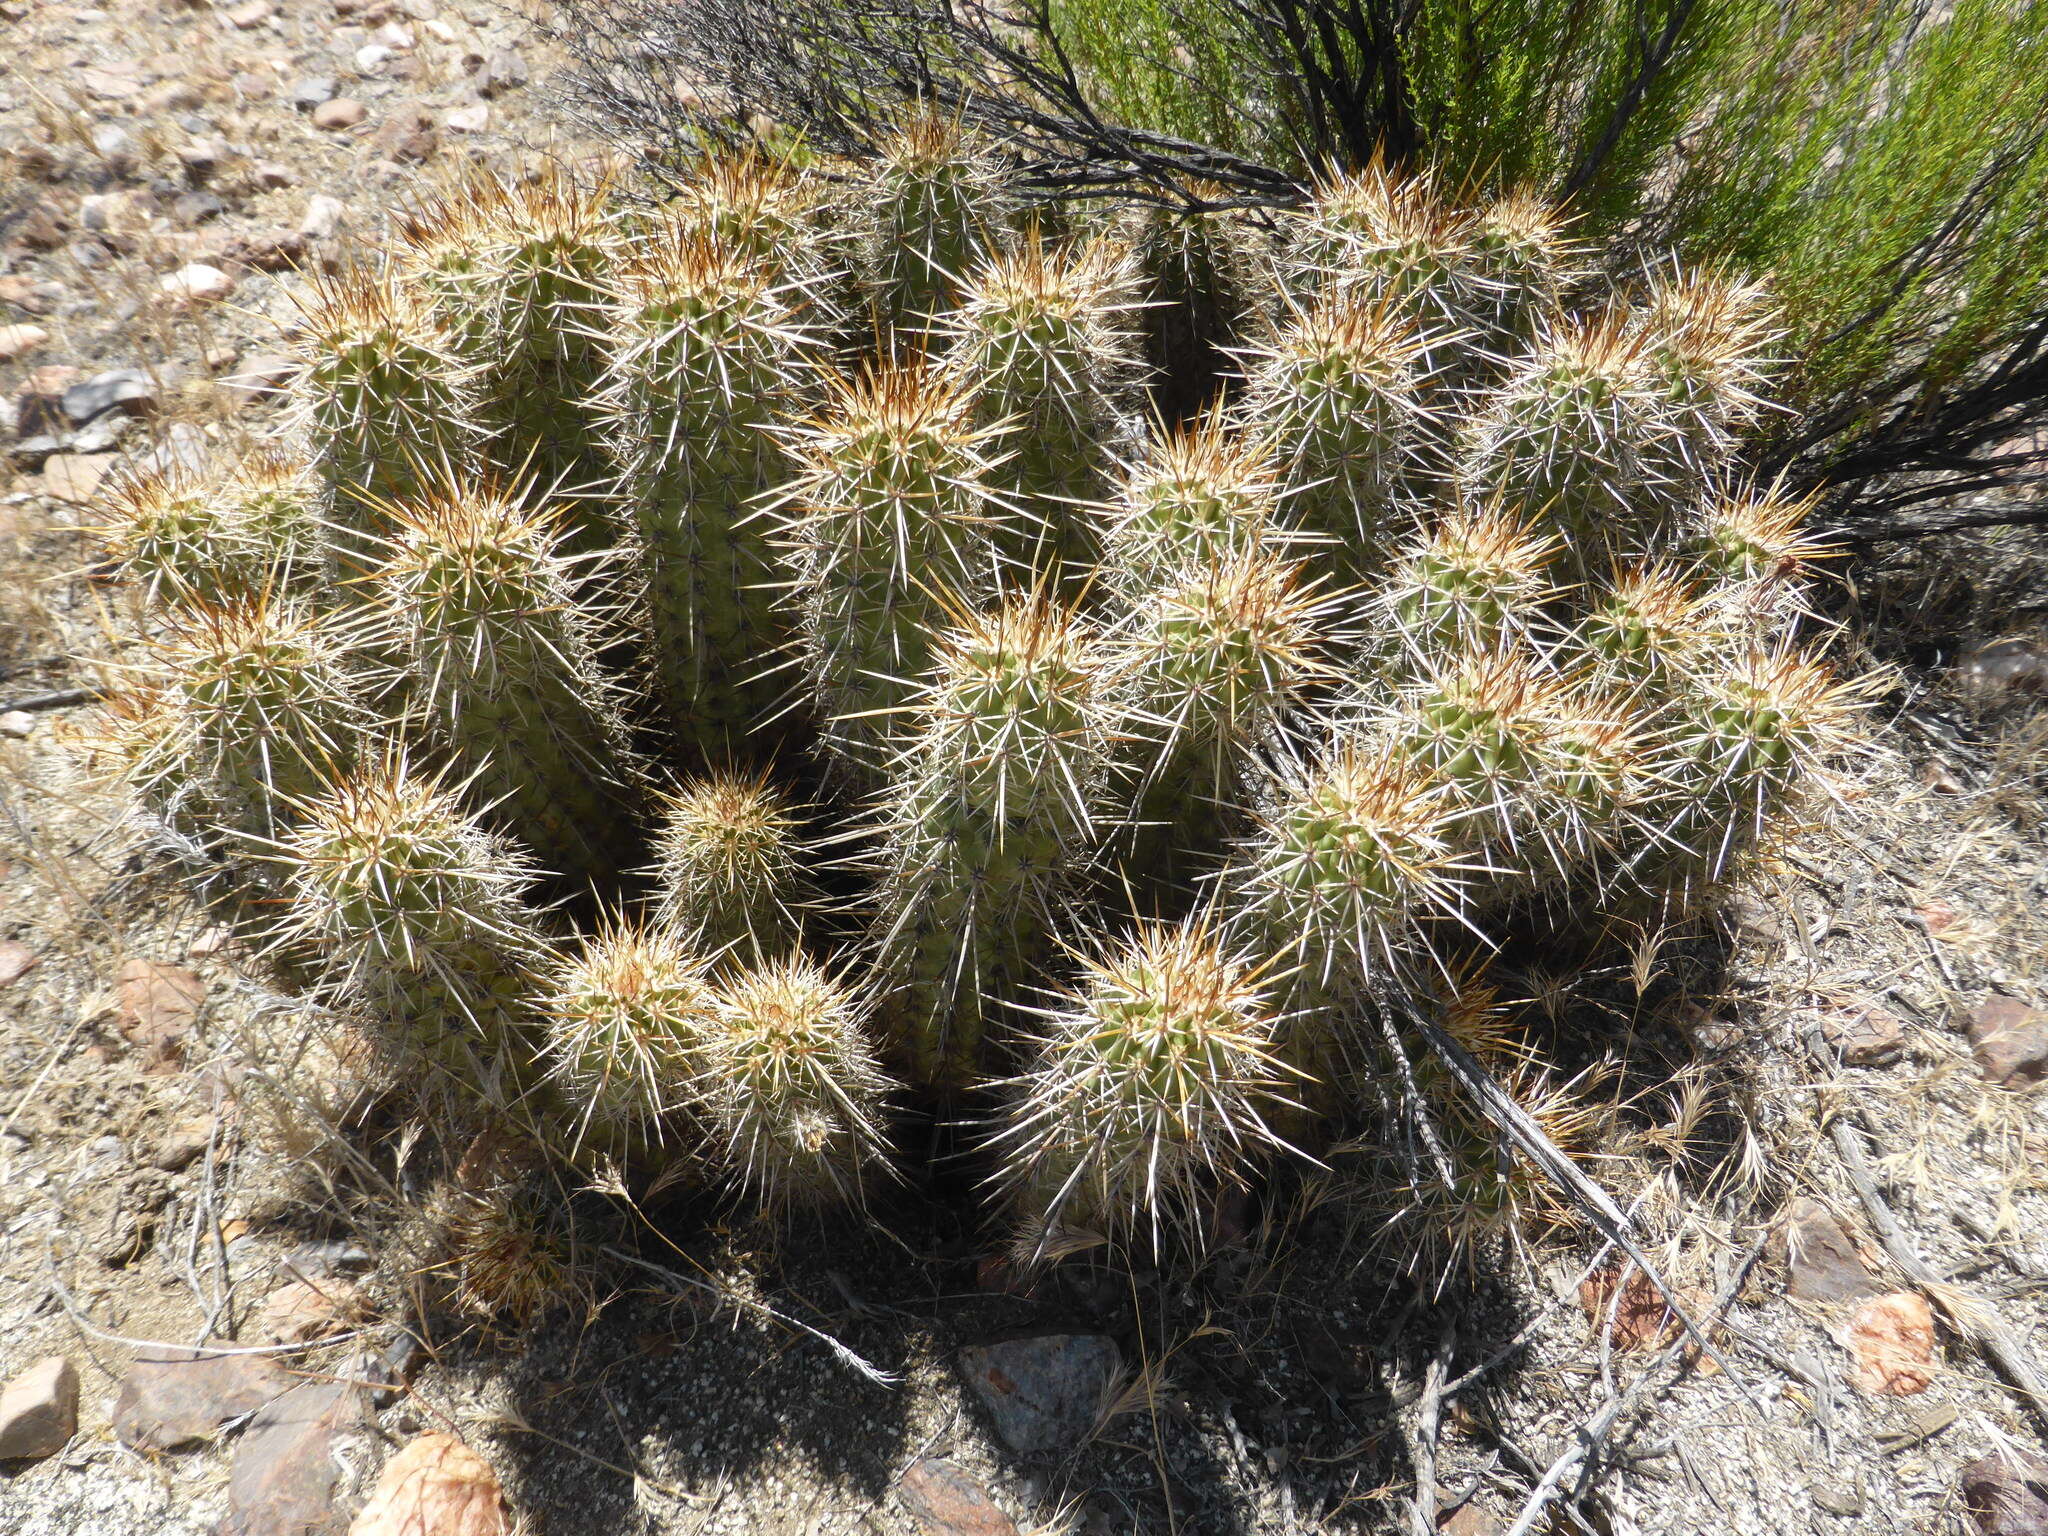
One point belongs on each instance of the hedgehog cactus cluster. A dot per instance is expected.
(727, 672)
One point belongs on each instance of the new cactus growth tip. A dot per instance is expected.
(1119, 757)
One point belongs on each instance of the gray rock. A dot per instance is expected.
(10, 418)
(262, 376)
(308, 94)
(1043, 1393)
(33, 453)
(2007, 1495)
(285, 1475)
(203, 156)
(183, 446)
(181, 1398)
(1822, 1261)
(39, 1410)
(113, 145)
(103, 435)
(197, 207)
(128, 390)
(504, 70)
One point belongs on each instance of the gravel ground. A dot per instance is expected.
(162, 1171)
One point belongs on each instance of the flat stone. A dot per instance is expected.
(180, 1146)
(339, 114)
(174, 1400)
(1863, 1036)
(945, 1501)
(32, 453)
(16, 958)
(196, 284)
(284, 1475)
(17, 725)
(110, 141)
(183, 446)
(1821, 1257)
(39, 1410)
(204, 156)
(2007, 1495)
(250, 14)
(300, 1310)
(19, 339)
(273, 175)
(128, 390)
(310, 93)
(2010, 1042)
(1892, 1339)
(120, 214)
(475, 118)
(155, 1006)
(266, 250)
(504, 69)
(407, 135)
(2017, 665)
(190, 208)
(434, 1486)
(103, 435)
(30, 295)
(74, 477)
(263, 376)
(109, 84)
(1042, 1392)
(322, 217)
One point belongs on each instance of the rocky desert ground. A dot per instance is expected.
(1830, 1108)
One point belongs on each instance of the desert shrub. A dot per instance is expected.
(1879, 163)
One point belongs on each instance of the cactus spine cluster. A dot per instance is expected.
(801, 570)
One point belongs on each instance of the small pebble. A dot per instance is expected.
(338, 114)
(16, 724)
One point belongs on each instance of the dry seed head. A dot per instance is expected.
(627, 1019)
(793, 1088)
(730, 869)
(1153, 1084)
